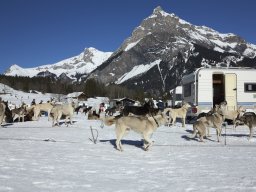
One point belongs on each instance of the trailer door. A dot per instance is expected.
(231, 90)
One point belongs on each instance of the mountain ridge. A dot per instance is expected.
(179, 45)
(161, 50)
(83, 63)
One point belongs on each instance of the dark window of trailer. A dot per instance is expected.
(250, 87)
(187, 90)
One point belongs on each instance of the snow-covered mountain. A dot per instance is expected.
(164, 47)
(155, 57)
(83, 63)
(186, 33)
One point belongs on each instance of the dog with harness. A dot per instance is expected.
(143, 125)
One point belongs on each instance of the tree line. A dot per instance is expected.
(91, 87)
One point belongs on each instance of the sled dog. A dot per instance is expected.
(87, 109)
(46, 107)
(110, 111)
(214, 120)
(144, 110)
(144, 125)
(92, 115)
(177, 112)
(19, 113)
(58, 110)
(203, 114)
(250, 121)
(232, 114)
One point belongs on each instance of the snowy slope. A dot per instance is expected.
(15, 97)
(85, 62)
(137, 70)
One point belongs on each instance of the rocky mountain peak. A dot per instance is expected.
(157, 9)
(90, 50)
(88, 54)
(158, 22)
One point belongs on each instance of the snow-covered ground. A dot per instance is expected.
(37, 157)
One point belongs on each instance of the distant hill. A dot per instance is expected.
(70, 69)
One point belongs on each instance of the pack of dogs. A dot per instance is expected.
(83, 109)
(33, 112)
(216, 117)
(143, 119)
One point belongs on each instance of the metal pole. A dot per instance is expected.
(225, 125)
(94, 140)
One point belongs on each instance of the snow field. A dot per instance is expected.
(38, 157)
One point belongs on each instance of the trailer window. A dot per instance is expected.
(250, 87)
(187, 90)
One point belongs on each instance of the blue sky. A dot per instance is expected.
(37, 32)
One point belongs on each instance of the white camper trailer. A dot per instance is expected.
(209, 86)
